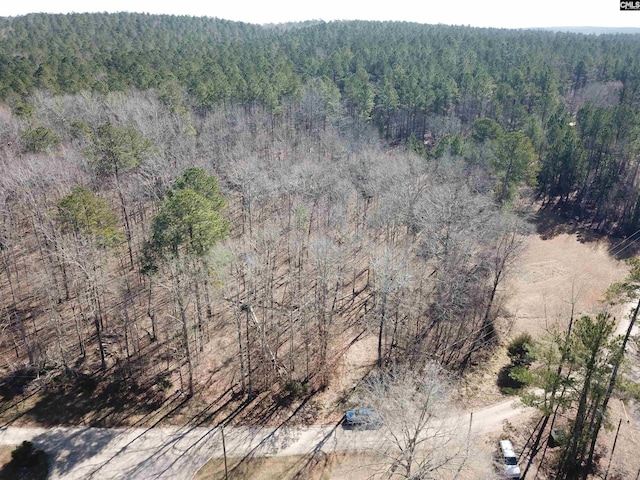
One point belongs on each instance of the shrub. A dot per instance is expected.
(296, 388)
(519, 350)
(23, 110)
(164, 384)
(512, 378)
(38, 140)
(515, 376)
(26, 463)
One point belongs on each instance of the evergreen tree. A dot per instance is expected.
(515, 163)
(84, 214)
(116, 150)
(183, 234)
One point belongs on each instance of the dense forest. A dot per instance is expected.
(576, 97)
(219, 206)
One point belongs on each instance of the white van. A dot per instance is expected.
(510, 461)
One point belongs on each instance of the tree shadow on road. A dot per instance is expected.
(67, 450)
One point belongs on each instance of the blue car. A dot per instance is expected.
(363, 418)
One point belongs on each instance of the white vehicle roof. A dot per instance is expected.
(507, 448)
(511, 467)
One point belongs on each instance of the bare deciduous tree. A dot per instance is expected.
(422, 436)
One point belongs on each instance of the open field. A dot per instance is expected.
(552, 274)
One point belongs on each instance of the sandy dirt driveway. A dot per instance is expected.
(178, 453)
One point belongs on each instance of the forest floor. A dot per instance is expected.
(559, 266)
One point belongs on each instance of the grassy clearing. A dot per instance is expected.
(321, 466)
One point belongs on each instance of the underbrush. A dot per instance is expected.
(71, 397)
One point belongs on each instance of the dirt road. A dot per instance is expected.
(178, 453)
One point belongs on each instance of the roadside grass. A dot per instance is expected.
(319, 466)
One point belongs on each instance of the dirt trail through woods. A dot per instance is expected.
(178, 453)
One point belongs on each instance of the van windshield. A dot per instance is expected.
(510, 460)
